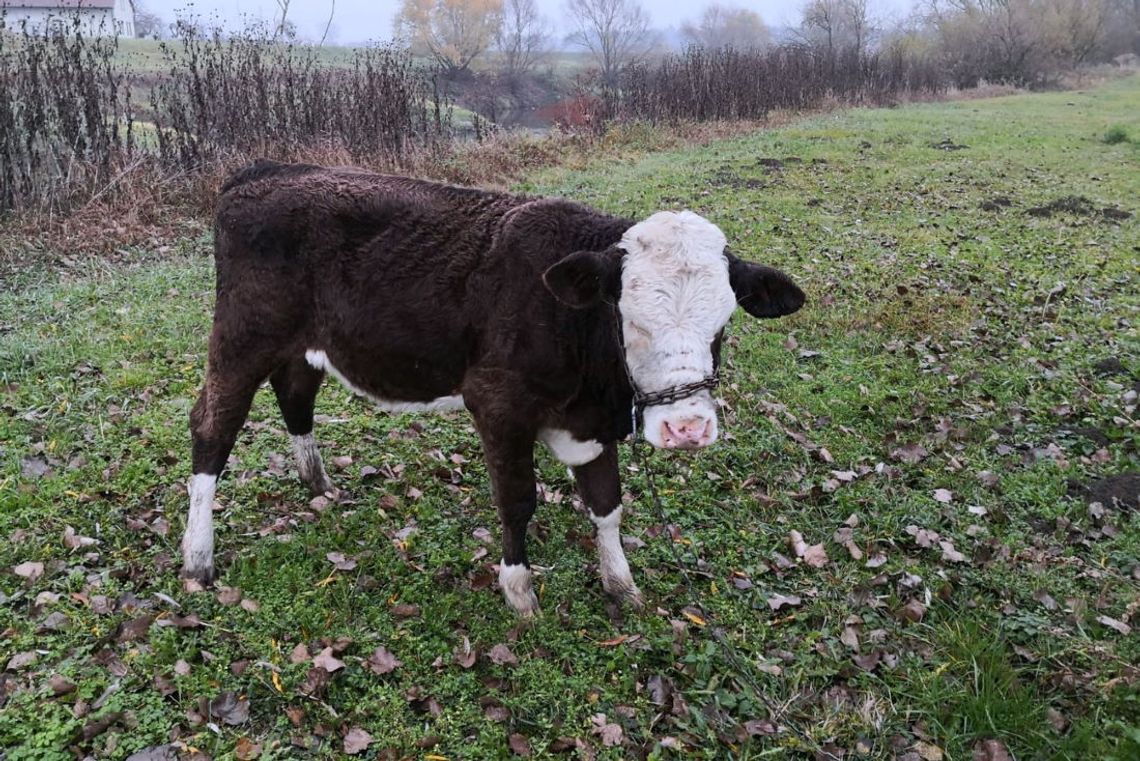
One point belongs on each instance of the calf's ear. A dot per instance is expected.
(583, 278)
(763, 291)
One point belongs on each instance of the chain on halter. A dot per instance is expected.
(674, 393)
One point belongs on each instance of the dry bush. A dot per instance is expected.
(729, 84)
(242, 97)
(70, 139)
(65, 125)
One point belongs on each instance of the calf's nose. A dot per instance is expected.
(686, 433)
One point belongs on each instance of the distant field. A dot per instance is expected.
(145, 56)
(960, 386)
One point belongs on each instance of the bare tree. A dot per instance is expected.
(837, 25)
(1074, 29)
(522, 37)
(147, 23)
(453, 32)
(820, 24)
(328, 24)
(284, 28)
(724, 26)
(616, 32)
(857, 19)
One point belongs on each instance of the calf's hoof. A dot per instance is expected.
(516, 581)
(324, 489)
(201, 574)
(526, 609)
(626, 592)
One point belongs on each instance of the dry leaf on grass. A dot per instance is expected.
(29, 570)
(326, 660)
(777, 601)
(382, 661)
(502, 656)
(356, 741)
(611, 734)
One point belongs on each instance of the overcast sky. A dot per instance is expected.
(365, 20)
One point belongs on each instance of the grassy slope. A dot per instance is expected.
(935, 322)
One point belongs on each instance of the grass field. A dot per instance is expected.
(937, 419)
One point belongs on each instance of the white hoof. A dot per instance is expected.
(516, 581)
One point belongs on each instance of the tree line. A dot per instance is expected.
(1022, 42)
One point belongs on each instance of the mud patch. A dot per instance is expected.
(1095, 435)
(1121, 491)
(997, 203)
(727, 178)
(774, 164)
(946, 144)
(1110, 366)
(1078, 206)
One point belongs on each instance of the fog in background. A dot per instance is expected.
(357, 21)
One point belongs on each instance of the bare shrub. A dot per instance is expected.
(69, 134)
(244, 96)
(727, 84)
(65, 117)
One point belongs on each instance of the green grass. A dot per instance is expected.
(971, 332)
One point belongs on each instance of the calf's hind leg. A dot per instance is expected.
(217, 417)
(296, 384)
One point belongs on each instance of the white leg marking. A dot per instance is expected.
(309, 464)
(320, 361)
(198, 541)
(616, 578)
(516, 583)
(567, 449)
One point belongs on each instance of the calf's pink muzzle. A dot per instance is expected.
(687, 433)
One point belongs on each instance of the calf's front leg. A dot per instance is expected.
(599, 485)
(510, 462)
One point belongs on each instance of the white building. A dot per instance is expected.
(96, 17)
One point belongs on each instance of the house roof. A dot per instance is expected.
(62, 4)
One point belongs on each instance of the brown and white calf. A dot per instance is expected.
(542, 317)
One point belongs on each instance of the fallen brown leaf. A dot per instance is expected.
(356, 741)
(502, 656)
(777, 601)
(1112, 623)
(230, 708)
(990, 750)
(611, 734)
(327, 661)
(519, 745)
(382, 662)
(30, 570)
(246, 749)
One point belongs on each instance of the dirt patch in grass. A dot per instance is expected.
(1079, 206)
(1110, 366)
(1095, 435)
(1115, 214)
(1120, 491)
(997, 203)
(946, 144)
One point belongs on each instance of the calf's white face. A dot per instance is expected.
(676, 285)
(675, 300)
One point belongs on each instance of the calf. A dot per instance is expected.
(547, 320)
